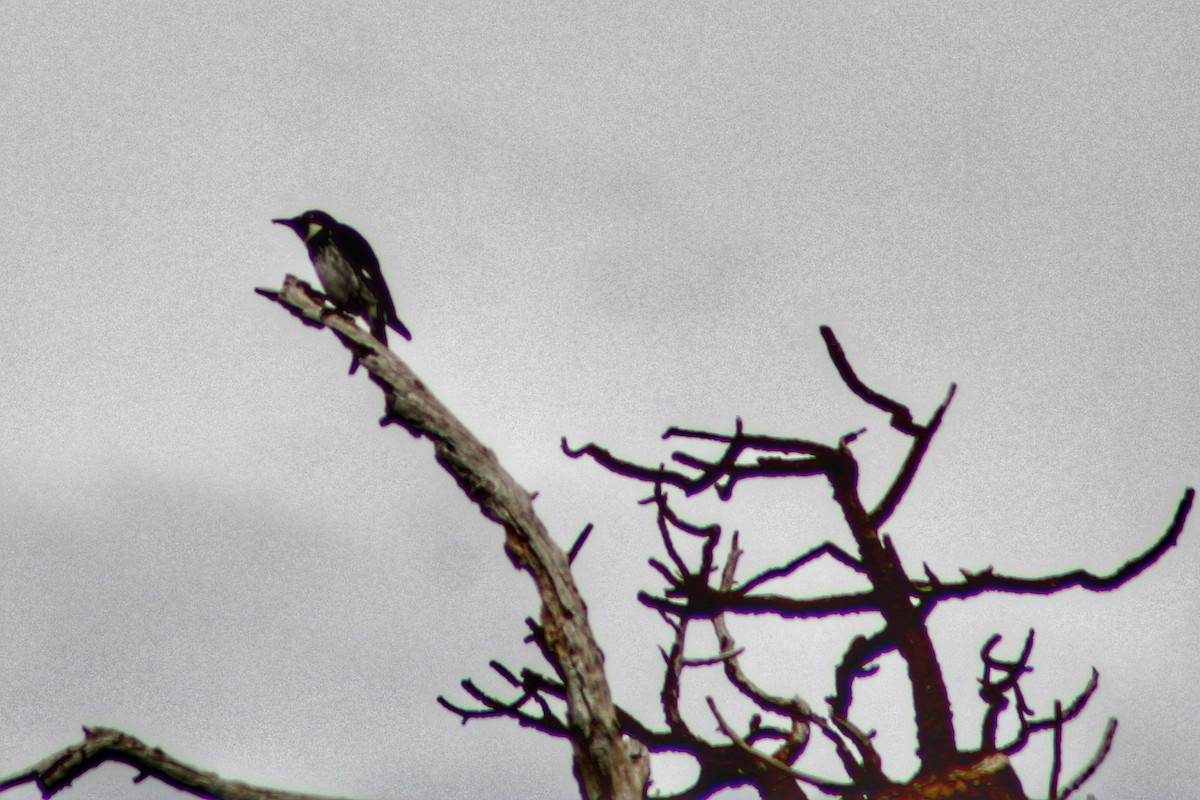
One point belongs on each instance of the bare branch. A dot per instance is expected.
(546, 721)
(1110, 733)
(824, 549)
(575, 548)
(627, 468)
(864, 774)
(1028, 726)
(720, 658)
(672, 678)
(56, 772)
(539, 686)
(993, 691)
(988, 580)
(902, 419)
(707, 603)
(727, 466)
(829, 786)
(1056, 751)
(870, 773)
(912, 462)
(793, 708)
(606, 767)
(861, 652)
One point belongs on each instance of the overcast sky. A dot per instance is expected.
(598, 222)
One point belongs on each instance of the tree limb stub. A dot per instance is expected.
(606, 766)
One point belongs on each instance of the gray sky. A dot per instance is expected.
(597, 223)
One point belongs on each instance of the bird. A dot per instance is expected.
(349, 272)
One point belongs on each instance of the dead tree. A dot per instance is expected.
(610, 745)
(764, 752)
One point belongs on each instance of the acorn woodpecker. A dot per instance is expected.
(349, 272)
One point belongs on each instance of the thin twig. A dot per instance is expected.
(1110, 733)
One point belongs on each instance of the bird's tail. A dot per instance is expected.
(399, 328)
(379, 329)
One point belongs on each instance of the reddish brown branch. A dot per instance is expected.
(706, 603)
(626, 468)
(1028, 726)
(783, 770)
(855, 664)
(726, 467)
(905, 622)
(672, 681)
(902, 419)
(994, 691)
(988, 580)
(912, 462)
(823, 549)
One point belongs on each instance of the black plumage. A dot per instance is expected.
(349, 272)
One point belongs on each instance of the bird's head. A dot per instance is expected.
(308, 224)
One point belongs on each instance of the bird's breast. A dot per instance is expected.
(337, 276)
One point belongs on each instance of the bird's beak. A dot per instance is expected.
(294, 224)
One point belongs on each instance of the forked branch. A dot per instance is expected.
(903, 602)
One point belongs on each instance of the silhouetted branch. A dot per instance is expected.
(538, 687)
(711, 534)
(1056, 752)
(531, 684)
(824, 549)
(706, 603)
(865, 773)
(993, 692)
(902, 419)
(770, 761)
(988, 580)
(727, 466)
(1028, 727)
(579, 542)
(1102, 752)
(854, 664)
(870, 775)
(627, 468)
(99, 745)
(912, 462)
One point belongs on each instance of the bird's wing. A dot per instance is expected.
(358, 251)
